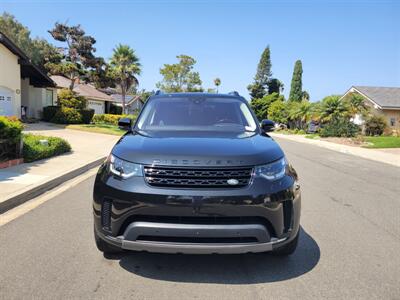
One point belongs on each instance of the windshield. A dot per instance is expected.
(196, 114)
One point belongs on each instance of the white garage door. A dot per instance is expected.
(98, 106)
(6, 102)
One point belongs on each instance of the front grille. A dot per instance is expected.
(197, 177)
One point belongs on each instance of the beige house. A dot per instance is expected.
(24, 88)
(96, 100)
(383, 101)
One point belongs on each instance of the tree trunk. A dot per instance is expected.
(123, 92)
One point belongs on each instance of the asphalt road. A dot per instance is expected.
(349, 246)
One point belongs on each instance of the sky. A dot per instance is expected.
(340, 43)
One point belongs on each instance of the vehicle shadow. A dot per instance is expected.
(222, 269)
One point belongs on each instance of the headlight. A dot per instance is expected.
(272, 171)
(123, 168)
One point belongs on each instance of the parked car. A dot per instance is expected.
(313, 127)
(280, 126)
(197, 174)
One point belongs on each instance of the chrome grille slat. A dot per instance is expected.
(196, 177)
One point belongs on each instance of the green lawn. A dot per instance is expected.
(382, 141)
(312, 136)
(97, 128)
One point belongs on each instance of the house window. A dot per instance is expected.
(2, 98)
(392, 122)
(49, 97)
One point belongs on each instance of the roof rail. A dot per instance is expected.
(158, 92)
(234, 93)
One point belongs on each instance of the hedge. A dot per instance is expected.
(87, 115)
(67, 115)
(34, 150)
(49, 112)
(110, 118)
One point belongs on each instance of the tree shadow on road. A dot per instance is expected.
(224, 269)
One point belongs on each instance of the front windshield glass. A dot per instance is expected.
(196, 114)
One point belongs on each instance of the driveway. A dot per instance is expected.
(348, 249)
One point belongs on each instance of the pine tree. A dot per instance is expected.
(264, 68)
(296, 85)
(258, 88)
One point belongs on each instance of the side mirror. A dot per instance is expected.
(125, 124)
(267, 125)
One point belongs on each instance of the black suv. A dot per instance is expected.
(196, 174)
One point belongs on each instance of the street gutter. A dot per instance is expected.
(29, 193)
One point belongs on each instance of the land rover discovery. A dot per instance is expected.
(197, 174)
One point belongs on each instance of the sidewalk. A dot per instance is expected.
(23, 182)
(388, 156)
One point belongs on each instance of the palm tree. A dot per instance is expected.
(356, 104)
(333, 108)
(124, 68)
(217, 83)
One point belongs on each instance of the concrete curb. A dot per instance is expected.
(371, 154)
(29, 194)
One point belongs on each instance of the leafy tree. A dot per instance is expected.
(259, 87)
(278, 112)
(332, 108)
(70, 99)
(100, 75)
(217, 83)
(125, 67)
(38, 50)
(260, 106)
(78, 55)
(144, 95)
(180, 77)
(275, 86)
(296, 85)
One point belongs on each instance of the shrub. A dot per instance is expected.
(375, 125)
(49, 112)
(34, 150)
(10, 129)
(10, 135)
(68, 98)
(87, 115)
(66, 115)
(110, 119)
(339, 128)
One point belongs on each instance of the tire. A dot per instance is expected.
(289, 248)
(104, 247)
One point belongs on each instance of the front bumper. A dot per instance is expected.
(145, 218)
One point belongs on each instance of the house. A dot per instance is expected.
(24, 88)
(383, 101)
(133, 104)
(96, 99)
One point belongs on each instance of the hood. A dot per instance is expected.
(180, 150)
